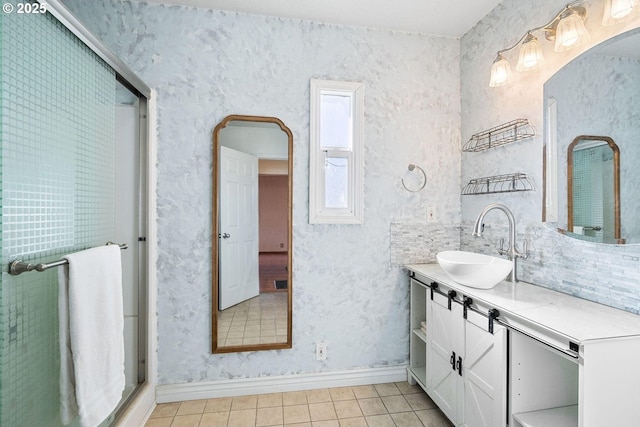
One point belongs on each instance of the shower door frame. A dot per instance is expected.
(136, 408)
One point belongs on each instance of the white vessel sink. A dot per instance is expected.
(474, 270)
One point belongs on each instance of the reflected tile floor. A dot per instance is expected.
(259, 320)
(379, 405)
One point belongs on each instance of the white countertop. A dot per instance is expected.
(570, 316)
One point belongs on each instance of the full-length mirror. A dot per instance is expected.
(595, 94)
(252, 235)
(593, 186)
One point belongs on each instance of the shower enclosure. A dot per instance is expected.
(73, 155)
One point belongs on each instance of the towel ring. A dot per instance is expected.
(411, 167)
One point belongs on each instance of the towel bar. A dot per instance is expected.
(19, 267)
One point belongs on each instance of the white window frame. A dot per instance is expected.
(318, 212)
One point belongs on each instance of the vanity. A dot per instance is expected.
(521, 355)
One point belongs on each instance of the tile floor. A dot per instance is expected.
(259, 320)
(380, 405)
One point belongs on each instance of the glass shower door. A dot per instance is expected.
(58, 194)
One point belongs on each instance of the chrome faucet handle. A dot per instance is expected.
(525, 250)
(501, 249)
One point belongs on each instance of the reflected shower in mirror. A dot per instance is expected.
(595, 94)
(593, 198)
(251, 265)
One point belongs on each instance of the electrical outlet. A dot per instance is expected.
(431, 214)
(321, 351)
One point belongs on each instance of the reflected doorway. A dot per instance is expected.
(273, 196)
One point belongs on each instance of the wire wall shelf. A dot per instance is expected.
(508, 183)
(506, 133)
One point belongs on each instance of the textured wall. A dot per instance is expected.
(208, 64)
(609, 274)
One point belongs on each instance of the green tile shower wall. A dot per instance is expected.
(57, 190)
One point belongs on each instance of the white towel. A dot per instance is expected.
(91, 335)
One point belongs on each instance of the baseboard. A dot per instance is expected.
(275, 384)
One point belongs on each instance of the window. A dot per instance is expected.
(336, 152)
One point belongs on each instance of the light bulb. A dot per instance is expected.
(531, 57)
(500, 71)
(616, 11)
(570, 31)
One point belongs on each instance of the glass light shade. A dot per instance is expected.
(616, 11)
(531, 57)
(570, 31)
(500, 71)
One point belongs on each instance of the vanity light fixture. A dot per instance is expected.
(570, 30)
(616, 11)
(531, 57)
(566, 29)
(500, 71)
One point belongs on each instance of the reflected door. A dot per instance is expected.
(238, 232)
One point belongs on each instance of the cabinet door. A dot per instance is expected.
(444, 346)
(485, 373)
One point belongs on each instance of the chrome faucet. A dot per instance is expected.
(512, 252)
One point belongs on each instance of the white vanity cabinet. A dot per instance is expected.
(598, 387)
(522, 355)
(461, 365)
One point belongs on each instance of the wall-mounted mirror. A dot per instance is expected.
(593, 188)
(595, 94)
(252, 234)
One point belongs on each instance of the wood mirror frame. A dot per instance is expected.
(616, 180)
(216, 346)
